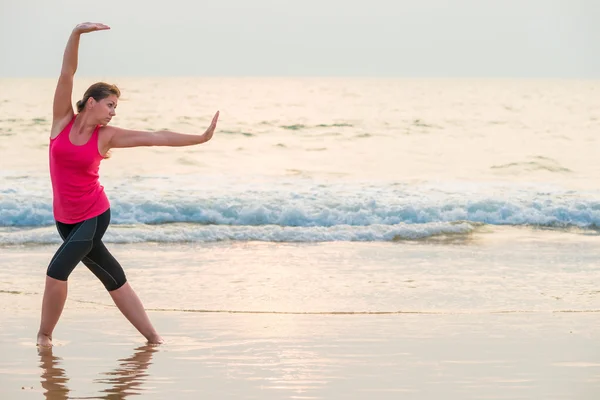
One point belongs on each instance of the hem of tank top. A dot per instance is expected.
(93, 216)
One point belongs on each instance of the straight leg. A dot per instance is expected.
(102, 264)
(78, 242)
(55, 296)
(130, 305)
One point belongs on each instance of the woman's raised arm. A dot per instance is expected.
(63, 108)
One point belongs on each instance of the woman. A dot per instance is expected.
(78, 142)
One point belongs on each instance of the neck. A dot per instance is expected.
(84, 123)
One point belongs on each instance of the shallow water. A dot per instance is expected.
(509, 314)
(249, 357)
(510, 270)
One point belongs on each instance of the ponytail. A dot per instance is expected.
(81, 105)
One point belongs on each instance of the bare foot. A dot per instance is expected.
(44, 340)
(155, 340)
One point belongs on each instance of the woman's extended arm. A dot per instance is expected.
(120, 138)
(63, 108)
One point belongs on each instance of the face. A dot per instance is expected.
(104, 109)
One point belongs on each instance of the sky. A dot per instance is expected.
(370, 38)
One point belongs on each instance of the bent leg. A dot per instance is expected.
(105, 267)
(111, 274)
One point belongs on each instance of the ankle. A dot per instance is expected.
(47, 335)
(44, 340)
(155, 338)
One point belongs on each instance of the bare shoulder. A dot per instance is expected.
(116, 137)
(113, 130)
(106, 132)
(105, 135)
(59, 124)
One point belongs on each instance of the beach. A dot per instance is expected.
(326, 323)
(310, 356)
(337, 238)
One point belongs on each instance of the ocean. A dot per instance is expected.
(335, 198)
(316, 160)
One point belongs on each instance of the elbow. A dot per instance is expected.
(152, 139)
(67, 73)
(159, 138)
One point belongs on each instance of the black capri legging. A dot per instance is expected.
(83, 242)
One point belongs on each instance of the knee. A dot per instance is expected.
(114, 285)
(58, 273)
(112, 277)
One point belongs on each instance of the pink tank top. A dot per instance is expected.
(76, 189)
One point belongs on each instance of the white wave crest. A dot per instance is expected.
(177, 233)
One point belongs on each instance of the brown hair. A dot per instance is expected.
(98, 91)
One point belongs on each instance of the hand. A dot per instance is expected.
(90, 27)
(206, 136)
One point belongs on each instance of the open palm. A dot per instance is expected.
(86, 27)
(211, 129)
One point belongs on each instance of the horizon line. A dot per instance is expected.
(277, 76)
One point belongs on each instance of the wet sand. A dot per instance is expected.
(511, 318)
(270, 356)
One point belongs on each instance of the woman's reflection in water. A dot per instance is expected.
(54, 379)
(123, 381)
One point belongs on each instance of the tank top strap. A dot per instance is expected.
(94, 142)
